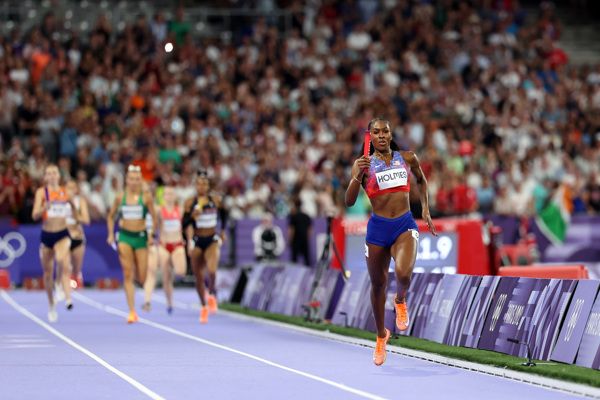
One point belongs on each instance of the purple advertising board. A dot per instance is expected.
(571, 332)
(511, 314)
(259, 286)
(549, 312)
(291, 289)
(353, 295)
(462, 306)
(589, 348)
(420, 313)
(477, 313)
(416, 290)
(100, 260)
(325, 292)
(442, 305)
(227, 280)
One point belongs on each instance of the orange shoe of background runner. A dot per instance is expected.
(204, 315)
(402, 319)
(133, 317)
(380, 355)
(212, 304)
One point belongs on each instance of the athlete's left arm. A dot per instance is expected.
(412, 160)
(223, 215)
(149, 200)
(84, 212)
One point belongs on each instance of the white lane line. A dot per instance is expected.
(26, 346)
(115, 311)
(82, 349)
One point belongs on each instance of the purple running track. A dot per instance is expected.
(175, 357)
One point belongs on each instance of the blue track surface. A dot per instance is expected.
(174, 357)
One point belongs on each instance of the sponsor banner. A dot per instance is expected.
(589, 348)
(475, 320)
(19, 249)
(354, 295)
(418, 282)
(511, 314)
(100, 260)
(291, 289)
(325, 292)
(462, 306)
(549, 312)
(260, 284)
(420, 313)
(442, 305)
(227, 280)
(575, 321)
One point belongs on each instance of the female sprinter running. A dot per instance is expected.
(76, 217)
(392, 231)
(132, 205)
(171, 252)
(52, 203)
(204, 245)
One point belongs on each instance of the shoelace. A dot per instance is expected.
(380, 345)
(403, 314)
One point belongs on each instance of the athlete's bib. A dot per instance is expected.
(171, 225)
(70, 219)
(132, 212)
(392, 178)
(58, 209)
(387, 178)
(207, 220)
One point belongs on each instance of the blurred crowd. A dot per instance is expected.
(479, 90)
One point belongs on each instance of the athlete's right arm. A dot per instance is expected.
(188, 222)
(110, 219)
(358, 171)
(39, 205)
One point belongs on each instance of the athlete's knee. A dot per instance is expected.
(128, 274)
(379, 285)
(179, 270)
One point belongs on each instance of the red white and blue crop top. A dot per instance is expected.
(383, 178)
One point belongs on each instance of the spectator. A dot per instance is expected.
(268, 240)
(477, 93)
(300, 230)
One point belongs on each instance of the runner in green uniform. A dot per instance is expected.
(132, 206)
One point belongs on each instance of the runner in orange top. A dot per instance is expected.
(52, 203)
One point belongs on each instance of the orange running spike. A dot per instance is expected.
(379, 355)
(402, 319)
(212, 304)
(204, 315)
(133, 317)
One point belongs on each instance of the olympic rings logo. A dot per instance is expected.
(12, 246)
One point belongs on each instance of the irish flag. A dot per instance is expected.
(553, 220)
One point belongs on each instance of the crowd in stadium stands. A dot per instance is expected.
(482, 94)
